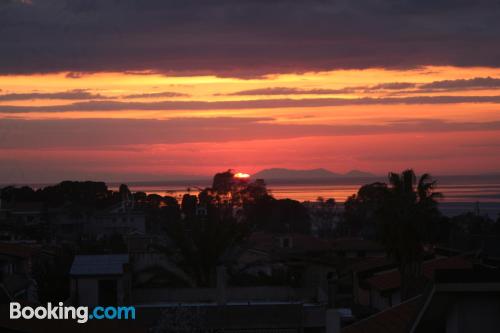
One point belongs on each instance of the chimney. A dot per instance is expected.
(221, 285)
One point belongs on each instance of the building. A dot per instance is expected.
(24, 214)
(121, 219)
(16, 281)
(465, 301)
(357, 248)
(459, 301)
(67, 222)
(382, 289)
(100, 279)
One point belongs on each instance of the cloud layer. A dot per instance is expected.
(106, 133)
(76, 94)
(98, 106)
(245, 38)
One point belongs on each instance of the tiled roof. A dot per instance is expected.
(371, 263)
(267, 242)
(393, 320)
(17, 250)
(356, 244)
(105, 264)
(392, 279)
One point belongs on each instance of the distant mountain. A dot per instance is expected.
(358, 174)
(311, 174)
(280, 173)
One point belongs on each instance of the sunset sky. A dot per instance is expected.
(149, 90)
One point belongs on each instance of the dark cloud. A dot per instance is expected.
(95, 134)
(477, 83)
(245, 38)
(289, 91)
(392, 86)
(247, 104)
(74, 75)
(156, 95)
(398, 87)
(70, 95)
(463, 84)
(82, 94)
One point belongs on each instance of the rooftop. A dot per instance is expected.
(391, 280)
(393, 320)
(103, 264)
(268, 243)
(356, 244)
(17, 250)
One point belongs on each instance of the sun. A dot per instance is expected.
(241, 175)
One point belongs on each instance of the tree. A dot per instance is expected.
(362, 208)
(94, 195)
(277, 216)
(223, 182)
(323, 216)
(12, 194)
(254, 191)
(405, 216)
(202, 241)
(188, 204)
(125, 193)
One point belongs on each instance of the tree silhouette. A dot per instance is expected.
(405, 217)
(223, 182)
(202, 241)
(361, 209)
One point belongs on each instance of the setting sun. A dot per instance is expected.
(241, 175)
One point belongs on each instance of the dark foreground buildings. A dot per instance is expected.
(187, 268)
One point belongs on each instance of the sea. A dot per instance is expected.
(479, 194)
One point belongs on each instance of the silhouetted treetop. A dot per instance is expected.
(223, 182)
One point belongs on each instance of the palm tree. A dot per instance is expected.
(405, 217)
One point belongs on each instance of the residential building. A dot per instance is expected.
(16, 280)
(119, 219)
(100, 279)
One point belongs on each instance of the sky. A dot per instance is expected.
(129, 90)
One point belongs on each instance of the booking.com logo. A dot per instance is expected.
(81, 313)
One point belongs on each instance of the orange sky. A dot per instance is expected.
(119, 126)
